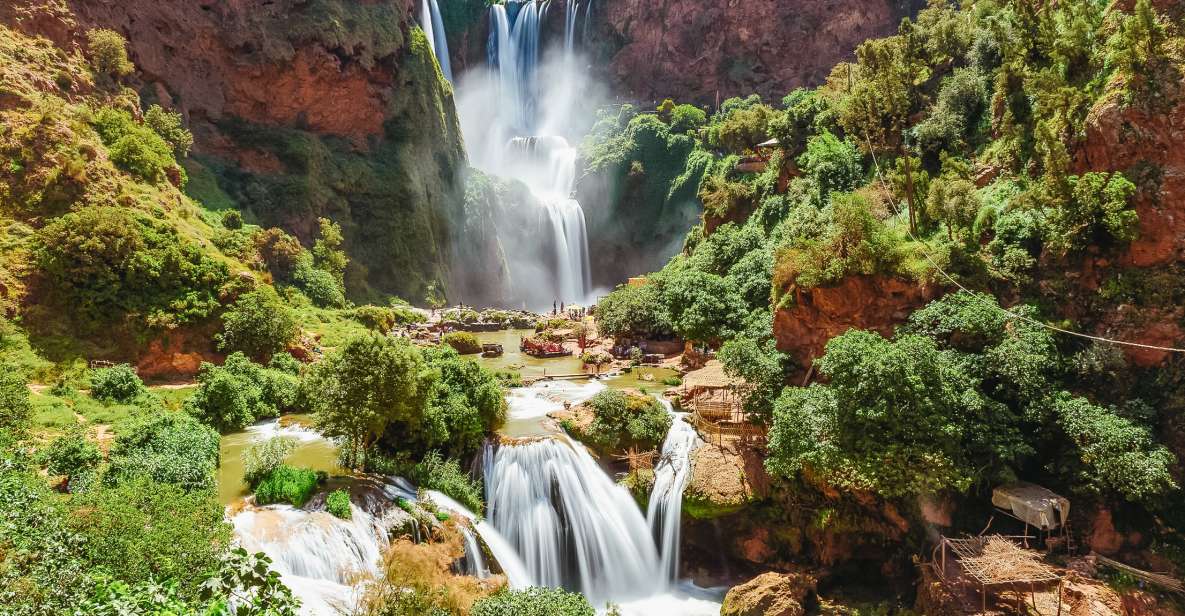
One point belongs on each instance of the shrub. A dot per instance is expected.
(168, 124)
(328, 255)
(635, 310)
(169, 448)
(232, 219)
(380, 319)
(623, 420)
(108, 52)
(15, 408)
(287, 484)
(258, 324)
(464, 343)
(834, 164)
(280, 252)
(261, 459)
(533, 602)
(338, 504)
(285, 363)
(446, 476)
(239, 392)
(319, 285)
(141, 530)
(686, 118)
(116, 384)
(72, 455)
(134, 147)
(466, 403)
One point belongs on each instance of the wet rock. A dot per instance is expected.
(770, 594)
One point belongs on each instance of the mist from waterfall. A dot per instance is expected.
(433, 26)
(520, 116)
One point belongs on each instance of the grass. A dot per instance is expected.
(334, 326)
(287, 484)
(173, 397)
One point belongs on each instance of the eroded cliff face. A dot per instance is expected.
(697, 51)
(301, 109)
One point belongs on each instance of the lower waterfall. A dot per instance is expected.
(664, 514)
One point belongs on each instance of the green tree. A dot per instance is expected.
(15, 408)
(170, 126)
(954, 202)
(118, 383)
(703, 307)
(834, 164)
(634, 310)
(328, 254)
(108, 52)
(624, 420)
(72, 455)
(363, 386)
(258, 324)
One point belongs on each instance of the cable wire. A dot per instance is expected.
(993, 305)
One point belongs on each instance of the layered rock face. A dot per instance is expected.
(299, 110)
(701, 51)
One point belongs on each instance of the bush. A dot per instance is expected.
(380, 319)
(624, 420)
(338, 504)
(134, 147)
(261, 459)
(446, 476)
(169, 448)
(287, 484)
(280, 252)
(236, 394)
(72, 455)
(116, 384)
(319, 285)
(464, 343)
(15, 408)
(232, 219)
(533, 602)
(108, 52)
(168, 124)
(285, 363)
(258, 324)
(141, 530)
(834, 164)
(465, 405)
(686, 118)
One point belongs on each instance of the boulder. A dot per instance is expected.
(770, 594)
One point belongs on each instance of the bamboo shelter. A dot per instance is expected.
(716, 401)
(993, 564)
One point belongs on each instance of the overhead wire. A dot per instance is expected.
(993, 305)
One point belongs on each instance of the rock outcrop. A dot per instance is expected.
(723, 480)
(701, 51)
(857, 302)
(769, 594)
(300, 110)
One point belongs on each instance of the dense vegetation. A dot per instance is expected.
(947, 149)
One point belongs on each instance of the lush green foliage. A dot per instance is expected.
(15, 407)
(533, 602)
(464, 343)
(138, 148)
(359, 389)
(116, 384)
(260, 459)
(446, 476)
(239, 392)
(633, 310)
(108, 52)
(287, 484)
(109, 262)
(171, 448)
(259, 324)
(71, 455)
(338, 504)
(624, 420)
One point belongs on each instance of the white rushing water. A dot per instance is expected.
(664, 513)
(518, 115)
(433, 26)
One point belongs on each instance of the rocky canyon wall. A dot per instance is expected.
(301, 109)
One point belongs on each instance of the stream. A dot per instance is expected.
(554, 516)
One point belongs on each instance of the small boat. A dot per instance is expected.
(491, 349)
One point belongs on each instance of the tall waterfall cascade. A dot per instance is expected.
(433, 26)
(519, 118)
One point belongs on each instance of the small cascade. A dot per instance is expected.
(666, 497)
(475, 563)
(433, 26)
(570, 523)
(504, 554)
(316, 554)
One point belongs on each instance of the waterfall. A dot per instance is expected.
(570, 523)
(433, 27)
(475, 563)
(317, 555)
(666, 498)
(504, 554)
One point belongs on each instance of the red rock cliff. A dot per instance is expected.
(693, 50)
